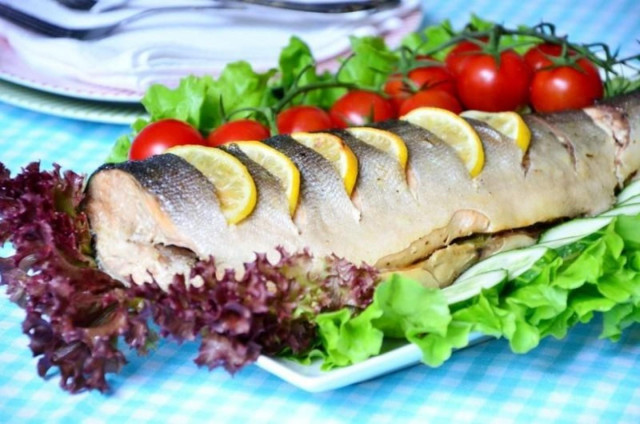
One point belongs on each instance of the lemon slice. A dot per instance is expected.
(278, 165)
(454, 131)
(334, 149)
(234, 186)
(510, 124)
(383, 140)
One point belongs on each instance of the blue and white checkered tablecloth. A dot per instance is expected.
(579, 379)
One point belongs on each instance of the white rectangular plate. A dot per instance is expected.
(312, 379)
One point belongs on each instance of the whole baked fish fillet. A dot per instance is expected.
(156, 217)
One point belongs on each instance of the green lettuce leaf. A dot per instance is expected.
(587, 300)
(370, 65)
(437, 348)
(408, 307)
(525, 337)
(298, 69)
(187, 102)
(401, 308)
(430, 39)
(616, 319)
(543, 301)
(620, 85)
(205, 103)
(485, 316)
(120, 150)
(628, 227)
(238, 88)
(598, 274)
(347, 339)
(559, 325)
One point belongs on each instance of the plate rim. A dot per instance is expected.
(314, 380)
(68, 107)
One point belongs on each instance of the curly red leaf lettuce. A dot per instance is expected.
(77, 315)
(269, 309)
(74, 313)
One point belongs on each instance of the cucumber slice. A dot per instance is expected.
(572, 231)
(626, 209)
(466, 289)
(629, 191)
(630, 201)
(514, 262)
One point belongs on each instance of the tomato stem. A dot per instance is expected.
(292, 94)
(543, 32)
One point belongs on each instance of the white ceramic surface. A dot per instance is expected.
(312, 379)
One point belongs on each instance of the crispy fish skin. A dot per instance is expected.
(575, 163)
(147, 217)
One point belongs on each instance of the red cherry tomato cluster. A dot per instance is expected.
(471, 78)
(357, 107)
(546, 77)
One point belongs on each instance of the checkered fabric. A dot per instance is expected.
(579, 379)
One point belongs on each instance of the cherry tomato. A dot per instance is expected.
(457, 57)
(359, 107)
(303, 118)
(537, 57)
(565, 87)
(395, 87)
(397, 91)
(432, 98)
(425, 77)
(239, 130)
(486, 85)
(158, 136)
(433, 77)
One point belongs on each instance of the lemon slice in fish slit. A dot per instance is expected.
(386, 141)
(235, 188)
(454, 131)
(510, 124)
(278, 165)
(334, 149)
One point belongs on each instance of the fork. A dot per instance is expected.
(49, 29)
(78, 4)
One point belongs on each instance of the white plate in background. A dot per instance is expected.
(15, 68)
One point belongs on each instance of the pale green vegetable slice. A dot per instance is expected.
(514, 262)
(473, 285)
(573, 231)
(629, 191)
(625, 209)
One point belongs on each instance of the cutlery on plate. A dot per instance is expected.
(43, 27)
(98, 6)
(318, 7)
(78, 4)
(40, 26)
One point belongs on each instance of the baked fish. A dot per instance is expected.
(430, 219)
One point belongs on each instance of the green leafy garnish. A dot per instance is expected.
(401, 308)
(370, 65)
(598, 274)
(298, 69)
(120, 150)
(430, 39)
(187, 102)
